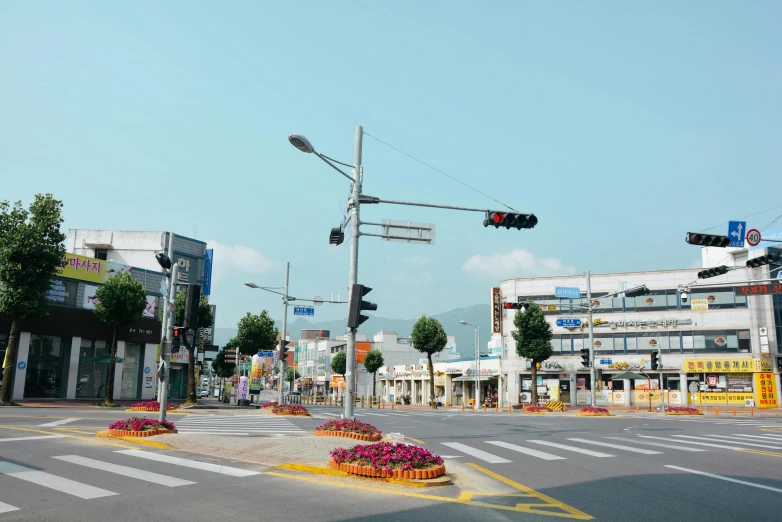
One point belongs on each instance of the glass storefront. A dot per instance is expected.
(131, 371)
(93, 368)
(3, 346)
(47, 367)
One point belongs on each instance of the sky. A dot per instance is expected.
(621, 125)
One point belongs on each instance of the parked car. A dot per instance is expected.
(203, 393)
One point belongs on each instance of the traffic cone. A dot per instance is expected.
(462, 407)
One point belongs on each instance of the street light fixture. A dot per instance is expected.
(477, 360)
(301, 143)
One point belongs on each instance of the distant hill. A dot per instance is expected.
(478, 315)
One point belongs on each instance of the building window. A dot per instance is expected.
(47, 367)
(101, 253)
(655, 301)
(93, 367)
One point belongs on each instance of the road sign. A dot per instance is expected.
(569, 323)
(753, 237)
(567, 292)
(303, 310)
(712, 380)
(266, 354)
(693, 386)
(736, 233)
(407, 232)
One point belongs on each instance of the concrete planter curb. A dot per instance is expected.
(294, 413)
(681, 413)
(150, 409)
(147, 433)
(350, 435)
(534, 412)
(366, 471)
(595, 415)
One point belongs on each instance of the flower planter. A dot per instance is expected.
(147, 433)
(366, 471)
(152, 409)
(589, 414)
(681, 413)
(350, 435)
(293, 413)
(533, 412)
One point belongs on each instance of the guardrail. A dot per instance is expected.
(364, 401)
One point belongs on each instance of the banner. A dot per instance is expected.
(244, 388)
(89, 269)
(207, 287)
(766, 390)
(256, 375)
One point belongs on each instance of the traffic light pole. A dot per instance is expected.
(354, 204)
(591, 339)
(165, 349)
(284, 334)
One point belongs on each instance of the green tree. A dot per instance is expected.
(291, 375)
(533, 340)
(339, 363)
(373, 361)
(429, 337)
(221, 368)
(256, 333)
(121, 303)
(205, 320)
(31, 250)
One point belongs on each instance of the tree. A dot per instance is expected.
(205, 320)
(256, 333)
(291, 375)
(339, 363)
(220, 367)
(533, 340)
(121, 304)
(31, 250)
(429, 337)
(373, 360)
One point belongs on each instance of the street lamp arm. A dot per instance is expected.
(328, 161)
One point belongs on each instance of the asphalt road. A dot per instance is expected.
(637, 467)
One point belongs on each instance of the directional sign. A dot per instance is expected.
(266, 354)
(569, 323)
(567, 292)
(303, 310)
(736, 233)
(753, 237)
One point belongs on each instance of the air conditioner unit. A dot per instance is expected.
(526, 397)
(749, 402)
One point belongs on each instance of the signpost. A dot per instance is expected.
(303, 310)
(266, 354)
(753, 237)
(567, 292)
(569, 323)
(736, 233)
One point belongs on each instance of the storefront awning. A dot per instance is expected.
(471, 378)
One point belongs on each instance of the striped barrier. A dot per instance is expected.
(555, 406)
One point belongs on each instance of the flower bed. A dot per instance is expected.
(535, 409)
(388, 460)
(594, 411)
(353, 429)
(289, 409)
(271, 404)
(151, 406)
(140, 427)
(681, 410)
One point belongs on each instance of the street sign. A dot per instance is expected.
(753, 237)
(266, 354)
(407, 232)
(569, 323)
(567, 292)
(736, 233)
(712, 380)
(693, 386)
(303, 310)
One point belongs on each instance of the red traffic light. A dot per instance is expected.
(508, 306)
(497, 217)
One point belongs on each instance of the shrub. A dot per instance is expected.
(593, 409)
(141, 424)
(387, 455)
(681, 409)
(349, 426)
(535, 409)
(289, 409)
(271, 404)
(406, 399)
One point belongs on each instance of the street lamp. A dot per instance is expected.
(477, 359)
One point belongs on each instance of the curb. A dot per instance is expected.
(154, 444)
(442, 480)
(349, 435)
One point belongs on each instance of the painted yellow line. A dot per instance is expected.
(136, 440)
(313, 469)
(415, 440)
(761, 452)
(92, 439)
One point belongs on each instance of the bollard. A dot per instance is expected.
(734, 411)
(392, 406)
(462, 406)
(472, 408)
(510, 408)
(382, 405)
(497, 409)
(636, 408)
(716, 412)
(484, 407)
(564, 408)
(752, 412)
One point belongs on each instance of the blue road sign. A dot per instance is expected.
(22, 365)
(567, 292)
(606, 361)
(736, 232)
(303, 310)
(266, 354)
(147, 369)
(569, 323)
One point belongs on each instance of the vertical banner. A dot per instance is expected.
(766, 395)
(244, 388)
(256, 375)
(496, 310)
(207, 288)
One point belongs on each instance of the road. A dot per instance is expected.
(635, 467)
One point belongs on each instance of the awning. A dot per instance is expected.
(471, 378)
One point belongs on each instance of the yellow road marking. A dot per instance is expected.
(93, 439)
(761, 452)
(415, 440)
(771, 429)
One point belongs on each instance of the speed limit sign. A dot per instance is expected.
(753, 237)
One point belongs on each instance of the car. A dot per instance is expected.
(203, 393)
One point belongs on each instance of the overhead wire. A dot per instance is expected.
(745, 217)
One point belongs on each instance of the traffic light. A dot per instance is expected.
(176, 341)
(192, 302)
(713, 272)
(514, 306)
(509, 220)
(655, 361)
(337, 236)
(357, 305)
(773, 257)
(585, 357)
(638, 291)
(283, 351)
(694, 238)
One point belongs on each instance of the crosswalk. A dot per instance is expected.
(238, 425)
(755, 422)
(332, 412)
(58, 483)
(611, 446)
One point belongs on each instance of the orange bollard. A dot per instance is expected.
(564, 408)
(392, 406)
(636, 408)
(752, 412)
(382, 405)
(497, 409)
(734, 411)
(510, 409)
(716, 412)
(462, 406)
(472, 408)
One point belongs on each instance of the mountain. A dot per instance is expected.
(478, 315)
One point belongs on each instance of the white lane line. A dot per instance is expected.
(333, 414)
(718, 438)
(618, 446)
(218, 431)
(36, 437)
(727, 479)
(5, 508)
(656, 444)
(723, 446)
(214, 468)
(57, 423)
(125, 471)
(202, 432)
(571, 448)
(450, 456)
(761, 437)
(528, 451)
(64, 485)
(375, 414)
(478, 454)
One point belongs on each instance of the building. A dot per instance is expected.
(64, 355)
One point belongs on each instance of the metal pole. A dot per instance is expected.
(499, 381)
(662, 395)
(166, 314)
(165, 353)
(284, 332)
(477, 364)
(591, 339)
(354, 202)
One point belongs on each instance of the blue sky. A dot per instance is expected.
(621, 125)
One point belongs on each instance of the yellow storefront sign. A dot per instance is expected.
(712, 398)
(766, 392)
(89, 269)
(726, 365)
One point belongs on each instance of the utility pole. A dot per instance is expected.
(591, 339)
(165, 349)
(284, 334)
(662, 391)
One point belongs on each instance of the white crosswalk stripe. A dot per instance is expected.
(773, 438)
(237, 425)
(204, 466)
(618, 446)
(707, 444)
(474, 452)
(47, 480)
(58, 423)
(656, 444)
(528, 451)
(34, 437)
(5, 508)
(731, 440)
(125, 471)
(571, 448)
